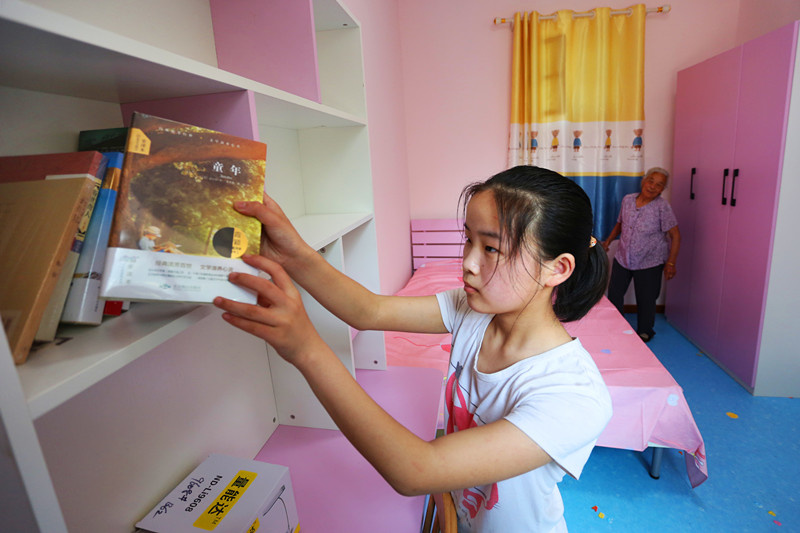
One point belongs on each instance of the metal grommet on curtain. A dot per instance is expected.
(584, 14)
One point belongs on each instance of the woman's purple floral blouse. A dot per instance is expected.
(643, 242)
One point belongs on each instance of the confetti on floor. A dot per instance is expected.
(672, 400)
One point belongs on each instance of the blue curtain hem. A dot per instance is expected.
(606, 193)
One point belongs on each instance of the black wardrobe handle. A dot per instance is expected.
(724, 179)
(691, 184)
(733, 186)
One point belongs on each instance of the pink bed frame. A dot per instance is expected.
(649, 406)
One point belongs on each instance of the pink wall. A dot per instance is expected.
(757, 17)
(282, 30)
(380, 35)
(457, 77)
(230, 112)
(437, 82)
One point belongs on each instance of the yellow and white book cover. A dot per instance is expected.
(175, 234)
(228, 495)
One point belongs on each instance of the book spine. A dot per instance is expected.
(123, 190)
(83, 304)
(22, 326)
(113, 307)
(55, 306)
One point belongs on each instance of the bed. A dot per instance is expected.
(649, 407)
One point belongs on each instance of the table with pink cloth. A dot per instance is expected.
(649, 406)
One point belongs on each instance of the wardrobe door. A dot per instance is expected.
(687, 142)
(712, 182)
(763, 106)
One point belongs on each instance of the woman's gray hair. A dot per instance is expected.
(656, 170)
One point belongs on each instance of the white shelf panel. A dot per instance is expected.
(321, 230)
(330, 15)
(49, 52)
(54, 374)
(293, 112)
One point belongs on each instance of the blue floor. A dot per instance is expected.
(753, 449)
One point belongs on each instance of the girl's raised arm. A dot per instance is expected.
(411, 465)
(341, 295)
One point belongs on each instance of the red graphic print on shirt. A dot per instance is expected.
(459, 418)
(475, 498)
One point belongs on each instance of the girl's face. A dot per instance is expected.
(494, 283)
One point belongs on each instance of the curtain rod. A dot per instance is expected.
(660, 9)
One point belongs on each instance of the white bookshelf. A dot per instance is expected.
(77, 59)
(119, 413)
(58, 372)
(316, 229)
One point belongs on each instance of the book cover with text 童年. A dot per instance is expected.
(175, 235)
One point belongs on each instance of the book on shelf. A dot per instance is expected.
(90, 164)
(115, 307)
(175, 235)
(106, 140)
(103, 140)
(83, 304)
(227, 494)
(39, 221)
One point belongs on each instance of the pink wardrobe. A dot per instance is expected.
(735, 193)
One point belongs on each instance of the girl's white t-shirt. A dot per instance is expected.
(557, 398)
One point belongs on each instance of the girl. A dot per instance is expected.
(525, 402)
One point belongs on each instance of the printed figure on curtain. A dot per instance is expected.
(577, 101)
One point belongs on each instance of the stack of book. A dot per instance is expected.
(142, 213)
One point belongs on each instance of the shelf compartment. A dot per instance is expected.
(56, 373)
(320, 230)
(52, 53)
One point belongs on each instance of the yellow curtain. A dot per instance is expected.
(577, 100)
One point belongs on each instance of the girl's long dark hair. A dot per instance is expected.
(547, 214)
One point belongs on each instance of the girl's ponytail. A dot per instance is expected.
(584, 288)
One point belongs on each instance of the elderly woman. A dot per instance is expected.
(648, 247)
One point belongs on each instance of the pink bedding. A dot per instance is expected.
(649, 406)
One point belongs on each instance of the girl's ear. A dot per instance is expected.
(562, 268)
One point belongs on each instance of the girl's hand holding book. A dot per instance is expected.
(279, 317)
(280, 241)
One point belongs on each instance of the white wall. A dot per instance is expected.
(780, 335)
